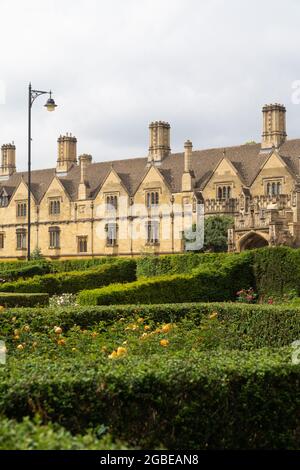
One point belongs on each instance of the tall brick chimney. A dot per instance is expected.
(159, 145)
(84, 161)
(67, 153)
(274, 126)
(8, 160)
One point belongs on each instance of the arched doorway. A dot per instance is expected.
(252, 240)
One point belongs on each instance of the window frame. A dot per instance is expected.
(111, 202)
(54, 206)
(152, 232)
(21, 239)
(82, 239)
(54, 238)
(273, 187)
(224, 191)
(21, 209)
(111, 241)
(2, 238)
(152, 198)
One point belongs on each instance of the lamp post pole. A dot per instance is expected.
(29, 173)
(50, 105)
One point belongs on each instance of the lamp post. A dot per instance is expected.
(50, 106)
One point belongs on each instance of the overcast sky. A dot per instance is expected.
(205, 66)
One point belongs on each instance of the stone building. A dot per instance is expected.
(130, 206)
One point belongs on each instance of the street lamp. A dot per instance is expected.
(50, 105)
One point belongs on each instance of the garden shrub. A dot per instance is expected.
(23, 300)
(52, 266)
(82, 264)
(276, 270)
(33, 435)
(207, 283)
(25, 271)
(153, 265)
(244, 326)
(74, 281)
(194, 400)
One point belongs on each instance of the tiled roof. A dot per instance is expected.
(246, 159)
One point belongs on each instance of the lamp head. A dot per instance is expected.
(50, 104)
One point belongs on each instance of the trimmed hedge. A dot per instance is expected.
(191, 401)
(73, 282)
(25, 271)
(244, 326)
(206, 284)
(277, 270)
(33, 435)
(153, 265)
(23, 300)
(82, 264)
(10, 270)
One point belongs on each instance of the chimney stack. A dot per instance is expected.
(188, 148)
(67, 153)
(8, 160)
(274, 126)
(159, 145)
(187, 181)
(84, 161)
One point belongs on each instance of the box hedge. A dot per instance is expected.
(244, 326)
(33, 435)
(23, 300)
(207, 283)
(25, 271)
(82, 264)
(191, 401)
(74, 281)
(153, 265)
(276, 270)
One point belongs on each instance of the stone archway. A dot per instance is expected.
(252, 240)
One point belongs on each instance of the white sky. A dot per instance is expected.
(205, 66)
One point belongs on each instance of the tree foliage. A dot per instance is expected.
(215, 232)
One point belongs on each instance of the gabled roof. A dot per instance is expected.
(246, 159)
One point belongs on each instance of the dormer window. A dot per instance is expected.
(54, 207)
(21, 209)
(3, 199)
(273, 188)
(224, 192)
(111, 202)
(152, 199)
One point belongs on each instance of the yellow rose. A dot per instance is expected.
(213, 315)
(20, 347)
(121, 351)
(57, 330)
(166, 328)
(164, 342)
(113, 355)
